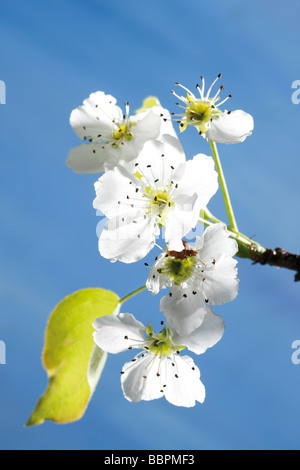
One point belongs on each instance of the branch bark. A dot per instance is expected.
(278, 257)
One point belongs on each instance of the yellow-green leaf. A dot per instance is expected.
(72, 362)
(148, 102)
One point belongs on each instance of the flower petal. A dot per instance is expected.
(215, 241)
(127, 240)
(159, 160)
(116, 333)
(150, 377)
(96, 117)
(216, 250)
(140, 379)
(231, 128)
(183, 385)
(206, 336)
(184, 309)
(182, 217)
(166, 122)
(116, 192)
(199, 177)
(87, 158)
(156, 279)
(221, 284)
(146, 125)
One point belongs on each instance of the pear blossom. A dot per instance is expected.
(226, 127)
(198, 277)
(165, 191)
(159, 369)
(111, 138)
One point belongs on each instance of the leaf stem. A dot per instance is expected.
(224, 188)
(132, 294)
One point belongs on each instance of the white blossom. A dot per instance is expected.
(159, 369)
(166, 191)
(111, 138)
(226, 127)
(198, 277)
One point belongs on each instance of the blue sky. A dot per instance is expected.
(52, 56)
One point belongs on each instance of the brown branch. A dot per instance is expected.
(279, 258)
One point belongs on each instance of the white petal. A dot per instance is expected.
(159, 160)
(182, 217)
(196, 186)
(116, 333)
(184, 310)
(216, 249)
(199, 177)
(184, 387)
(87, 158)
(166, 122)
(140, 380)
(150, 377)
(95, 117)
(146, 126)
(156, 280)
(221, 284)
(127, 241)
(231, 128)
(215, 241)
(116, 192)
(206, 336)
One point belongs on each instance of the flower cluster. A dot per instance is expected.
(148, 188)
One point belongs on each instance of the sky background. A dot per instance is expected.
(52, 56)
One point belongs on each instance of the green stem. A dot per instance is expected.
(132, 294)
(224, 188)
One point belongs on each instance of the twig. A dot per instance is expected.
(279, 258)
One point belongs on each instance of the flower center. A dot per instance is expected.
(179, 270)
(161, 344)
(159, 203)
(122, 132)
(199, 113)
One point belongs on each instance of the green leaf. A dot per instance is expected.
(72, 361)
(148, 102)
